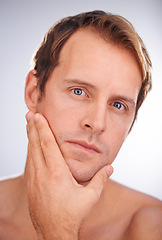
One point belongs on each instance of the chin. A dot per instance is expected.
(82, 178)
(80, 171)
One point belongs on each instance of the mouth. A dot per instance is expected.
(85, 146)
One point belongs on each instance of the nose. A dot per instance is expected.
(94, 119)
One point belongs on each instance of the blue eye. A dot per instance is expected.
(118, 105)
(78, 91)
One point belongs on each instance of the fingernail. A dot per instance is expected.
(28, 116)
(109, 170)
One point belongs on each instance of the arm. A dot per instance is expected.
(57, 203)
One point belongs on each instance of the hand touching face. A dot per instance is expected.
(57, 203)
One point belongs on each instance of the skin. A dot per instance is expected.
(75, 133)
(93, 118)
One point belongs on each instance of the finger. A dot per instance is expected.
(34, 141)
(100, 178)
(30, 166)
(49, 145)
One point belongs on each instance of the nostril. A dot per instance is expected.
(86, 125)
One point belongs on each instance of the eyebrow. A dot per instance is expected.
(79, 82)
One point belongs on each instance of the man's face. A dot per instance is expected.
(90, 101)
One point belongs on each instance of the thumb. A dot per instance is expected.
(99, 179)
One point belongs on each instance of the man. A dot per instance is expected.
(91, 75)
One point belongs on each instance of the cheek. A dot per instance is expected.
(115, 136)
(121, 125)
(61, 118)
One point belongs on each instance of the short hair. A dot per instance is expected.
(113, 28)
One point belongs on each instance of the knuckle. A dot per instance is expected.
(57, 173)
(102, 178)
(94, 193)
(39, 178)
(45, 142)
(36, 144)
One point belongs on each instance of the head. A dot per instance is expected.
(91, 75)
(112, 28)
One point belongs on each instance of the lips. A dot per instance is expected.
(84, 145)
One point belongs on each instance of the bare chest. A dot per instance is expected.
(13, 232)
(105, 231)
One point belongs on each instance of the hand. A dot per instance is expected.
(57, 203)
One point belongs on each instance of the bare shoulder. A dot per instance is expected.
(142, 213)
(7, 187)
(147, 223)
(133, 197)
(10, 189)
(145, 214)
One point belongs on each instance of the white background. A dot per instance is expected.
(22, 26)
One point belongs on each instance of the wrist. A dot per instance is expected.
(59, 233)
(66, 232)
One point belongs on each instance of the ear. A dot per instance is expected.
(31, 91)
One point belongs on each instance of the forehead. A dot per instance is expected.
(90, 59)
(87, 54)
(89, 40)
